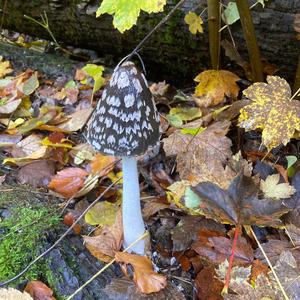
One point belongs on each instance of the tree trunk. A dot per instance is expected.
(172, 53)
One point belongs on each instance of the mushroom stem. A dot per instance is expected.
(133, 224)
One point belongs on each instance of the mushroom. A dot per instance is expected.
(125, 123)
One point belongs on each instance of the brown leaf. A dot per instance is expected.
(102, 164)
(76, 120)
(258, 267)
(39, 291)
(152, 207)
(217, 248)
(202, 157)
(207, 285)
(214, 85)
(146, 280)
(109, 241)
(239, 204)
(125, 289)
(68, 181)
(37, 173)
(187, 231)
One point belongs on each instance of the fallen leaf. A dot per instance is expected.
(178, 115)
(125, 289)
(273, 189)
(152, 207)
(104, 245)
(8, 106)
(146, 280)
(194, 21)
(187, 231)
(271, 110)
(5, 68)
(81, 153)
(216, 248)
(288, 271)
(103, 164)
(39, 291)
(202, 157)
(13, 294)
(69, 219)
(208, 287)
(68, 181)
(76, 120)
(214, 85)
(102, 213)
(239, 204)
(30, 85)
(8, 140)
(37, 173)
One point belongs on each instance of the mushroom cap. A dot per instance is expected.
(125, 121)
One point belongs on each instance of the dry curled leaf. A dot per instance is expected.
(68, 181)
(214, 85)
(271, 110)
(39, 291)
(146, 280)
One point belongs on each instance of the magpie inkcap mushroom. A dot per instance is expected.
(125, 123)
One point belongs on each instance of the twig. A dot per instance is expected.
(270, 265)
(106, 266)
(60, 239)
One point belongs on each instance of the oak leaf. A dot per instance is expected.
(271, 110)
(214, 85)
(146, 280)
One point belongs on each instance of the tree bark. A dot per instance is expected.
(172, 53)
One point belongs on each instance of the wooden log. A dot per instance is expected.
(172, 53)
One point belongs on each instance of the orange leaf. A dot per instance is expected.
(39, 291)
(104, 245)
(68, 181)
(102, 164)
(144, 277)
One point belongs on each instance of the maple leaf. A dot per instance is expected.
(194, 21)
(202, 157)
(273, 189)
(239, 204)
(214, 85)
(271, 110)
(126, 12)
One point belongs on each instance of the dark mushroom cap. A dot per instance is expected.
(125, 121)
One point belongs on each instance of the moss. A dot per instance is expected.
(21, 237)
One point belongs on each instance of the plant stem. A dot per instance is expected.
(133, 224)
(250, 37)
(213, 10)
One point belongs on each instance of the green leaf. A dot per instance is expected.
(30, 85)
(126, 12)
(291, 160)
(178, 115)
(95, 72)
(192, 131)
(191, 200)
(70, 84)
(231, 13)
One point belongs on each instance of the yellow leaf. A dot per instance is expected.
(5, 68)
(271, 110)
(102, 213)
(195, 22)
(214, 85)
